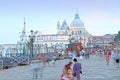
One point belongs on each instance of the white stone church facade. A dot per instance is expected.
(76, 32)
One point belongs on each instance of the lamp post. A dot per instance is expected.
(70, 42)
(89, 43)
(46, 47)
(103, 43)
(31, 37)
(0, 53)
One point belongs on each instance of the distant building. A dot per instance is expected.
(44, 43)
(103, 41)
(51, 42)
(23, 42)
(8, 50)
(76, 32)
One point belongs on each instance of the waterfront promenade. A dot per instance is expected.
(94, 68)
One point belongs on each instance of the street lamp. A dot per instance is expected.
(103, 43)
(70, 42)
(46, 47)
(89, 43)
(32, 38)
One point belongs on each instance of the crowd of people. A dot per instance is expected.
(73, 69)
(107, 54)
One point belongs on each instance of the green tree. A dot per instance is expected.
(117, 37)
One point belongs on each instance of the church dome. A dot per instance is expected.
(23, 35)
(64, 26)
(77, 22)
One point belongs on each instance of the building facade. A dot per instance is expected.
(76, 31)
(8, 50)
(44, 43)
(104, 41)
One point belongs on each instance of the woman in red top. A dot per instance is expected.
(67, 71)
(69, 68)
(107, 57)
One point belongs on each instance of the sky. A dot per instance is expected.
(100, 17)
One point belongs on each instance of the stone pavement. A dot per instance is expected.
(94, 68)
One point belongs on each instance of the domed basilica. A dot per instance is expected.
(66, 34)
(76, 30)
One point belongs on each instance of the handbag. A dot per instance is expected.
(74, 73)
(80, 72)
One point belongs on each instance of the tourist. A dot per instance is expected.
(54, 60)
(73, 55)
(93, 51)
(113, 54)
(35, 68)
(101, 52)
(86, 53)
(107, 57)
(67, 72)
(70, 55)
(117, 57)
(77, 69)
(81, 54)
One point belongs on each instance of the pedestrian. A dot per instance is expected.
(113, 54)
(67, 72)
(101, 52)
(73, 55)
(70, 55)
(69, 69)
(93, 51)
(81, 54)
(35, 68)
(86, 53)
(77, 69)
(117, 57)
(107, 57)
(54, 60)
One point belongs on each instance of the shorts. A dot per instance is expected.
(117, 60)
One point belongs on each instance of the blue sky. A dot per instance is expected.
(99, 16)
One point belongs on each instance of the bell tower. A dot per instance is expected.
(58, 27)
